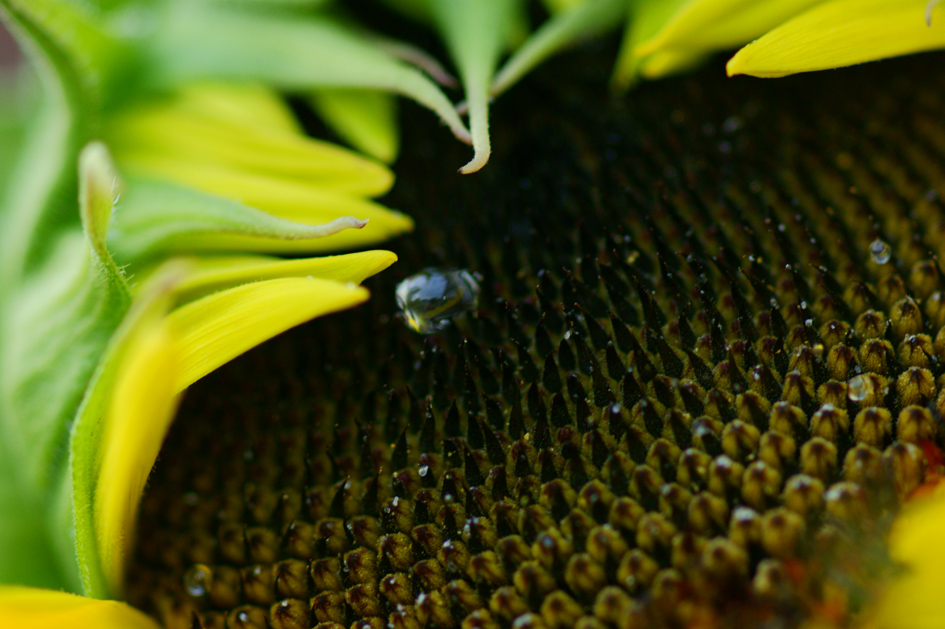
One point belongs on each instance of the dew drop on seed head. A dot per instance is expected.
(196, 580)
(858, 388)
(880, 252)
(430, 299)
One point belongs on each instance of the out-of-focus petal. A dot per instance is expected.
(169, 139)
(717, 24)
(914, 600)
(842, 33)
(365, 119)
(34, 608)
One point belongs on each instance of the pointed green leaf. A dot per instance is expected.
(87, 59)
(475, 32)
(572, 24)
(98, 190)
(74, 508)
(162, 218)
(292, 51)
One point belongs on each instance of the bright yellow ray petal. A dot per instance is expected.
(220, 327)
(718, 24)
(210, 274)
(178, 162)
(915, 601)
(152, 140)
(137, 419)
(842, 33)
(245, 104)
(367, 120)
(33, 608)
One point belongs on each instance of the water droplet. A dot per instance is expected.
(859, 387)
(880, 252)
(424, 470)
(431, 298)
(197, 580)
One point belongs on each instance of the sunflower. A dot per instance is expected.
(706, 413)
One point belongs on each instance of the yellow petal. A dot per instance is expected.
(914, 600)
(164, 140)
(667, 62)
(137, 419)
(842, 33)
(211, 274)
(220, 327)
(365, 119)
(244, 104)
(717, 24)
(644, 21)
(33, 608)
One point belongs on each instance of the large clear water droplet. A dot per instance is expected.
(429, 299)
(880, 251)
(859, 387)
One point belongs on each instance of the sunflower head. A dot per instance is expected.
(695, 391)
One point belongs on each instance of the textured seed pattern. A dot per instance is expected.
(694, 393)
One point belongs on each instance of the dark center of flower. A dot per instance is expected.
(704, 373)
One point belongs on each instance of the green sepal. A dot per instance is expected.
(365, 119)
(571, 25)
(476, 32)
(98, 191)
(55, 330)
(73, 508)
(286, 49)
(645, 19)
(57, 326)
(88, 59)
(158, 217)
(26, 556)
